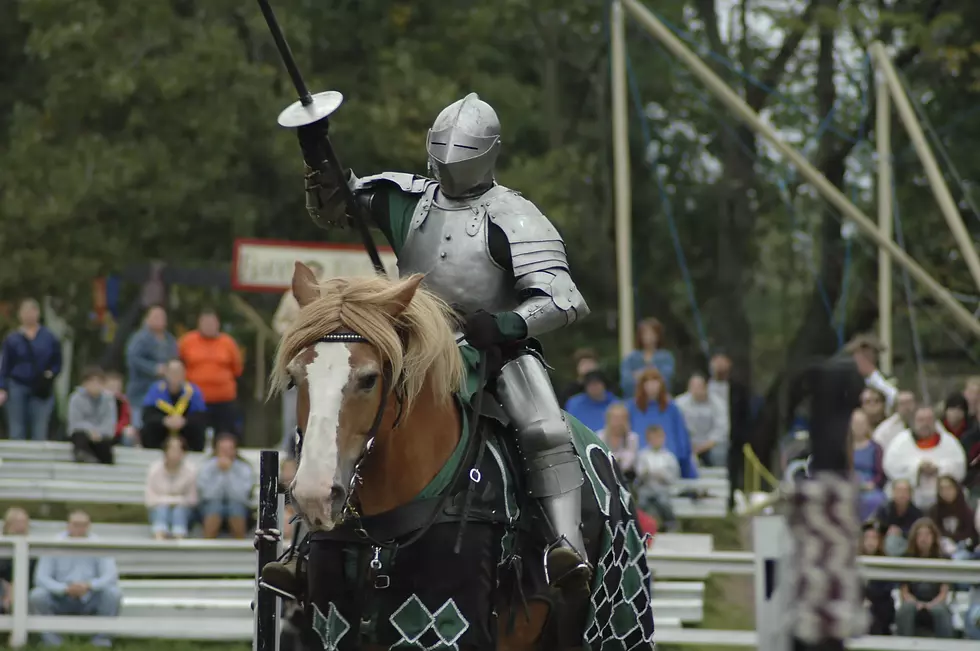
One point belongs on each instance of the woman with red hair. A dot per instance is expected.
(649, 354)
(651, 405)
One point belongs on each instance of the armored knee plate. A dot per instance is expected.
(524, 390)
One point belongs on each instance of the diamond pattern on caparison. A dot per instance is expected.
(422, 629)
(331, 629)
(621, 622)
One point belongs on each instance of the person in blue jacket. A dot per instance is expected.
(651, 405)
(649, 354)
(31, 362)
(590, 406)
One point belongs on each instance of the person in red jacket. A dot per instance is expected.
(126, 434)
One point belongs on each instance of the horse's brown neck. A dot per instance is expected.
(404, 460)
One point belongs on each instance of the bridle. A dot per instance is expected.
(350, 507)
(475, 448)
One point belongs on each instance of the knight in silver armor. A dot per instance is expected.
(492, 255)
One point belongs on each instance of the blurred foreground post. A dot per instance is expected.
(266, 602)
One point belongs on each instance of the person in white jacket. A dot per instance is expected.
(656, 469)
(923, 454)
(901, 420)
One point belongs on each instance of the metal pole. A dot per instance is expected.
(621, 178)
(266, 602)
(939, 188)
(831, 193)
(883, 135)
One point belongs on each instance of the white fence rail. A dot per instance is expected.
(216, 558)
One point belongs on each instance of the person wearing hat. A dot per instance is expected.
(865, 350)
(590, 406)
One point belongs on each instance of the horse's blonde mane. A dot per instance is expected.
(418, 342)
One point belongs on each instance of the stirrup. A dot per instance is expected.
(583, 566)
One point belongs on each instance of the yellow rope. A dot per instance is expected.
(758, 469)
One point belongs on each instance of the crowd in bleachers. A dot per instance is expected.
(657, 437)
(918, 494)
(919, 474)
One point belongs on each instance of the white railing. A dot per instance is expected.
(237, 558)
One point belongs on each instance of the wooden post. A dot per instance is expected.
(621, 172)
(734, 102)
(939, 188)
(883, 135)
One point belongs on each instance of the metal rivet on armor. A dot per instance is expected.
(448, 237)
(442, 255)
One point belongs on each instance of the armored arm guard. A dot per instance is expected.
(550, 298)
(325, 201)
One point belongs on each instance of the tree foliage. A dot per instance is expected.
(135, 131)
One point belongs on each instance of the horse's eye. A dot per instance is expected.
(367, 382)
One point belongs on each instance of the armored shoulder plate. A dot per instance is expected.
(409, 183)
(535, 244)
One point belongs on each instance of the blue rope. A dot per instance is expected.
(811, 263)
(668, 209)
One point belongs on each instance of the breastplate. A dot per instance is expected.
(448, 243)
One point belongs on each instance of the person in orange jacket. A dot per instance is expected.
(214, 363)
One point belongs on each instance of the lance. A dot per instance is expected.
(311, 115)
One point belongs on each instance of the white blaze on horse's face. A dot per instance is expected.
(317, 489)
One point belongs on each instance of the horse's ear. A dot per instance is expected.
(405, 294)
(305, 286)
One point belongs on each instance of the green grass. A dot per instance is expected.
(109, 513)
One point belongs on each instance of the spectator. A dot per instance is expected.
(924, 603)
(31, 361)
(126, 433)
(92, 418)
(590, 406)
(955, 420)
(867, 456)
(656, 469)
(285, 315)
(873, 406)
(956, 521)
(16, 522)
(147, 354)
(924, 454)
(886, 431)
(877, 594)
(586, 361)
(171, 491)
(214, 364)
(650, 336)
(897, 517)
(652, 406)
(76, 585)
(707, 422)
(971, 391)
(737, 400)
(622, 441)
(865, 350)
(174, 407)
(224, 484)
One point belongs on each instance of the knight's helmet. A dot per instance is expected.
(463, 145)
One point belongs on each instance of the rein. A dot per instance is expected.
(474, 449)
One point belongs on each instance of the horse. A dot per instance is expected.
(422, 535)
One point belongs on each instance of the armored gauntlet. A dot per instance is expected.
(324, 199)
